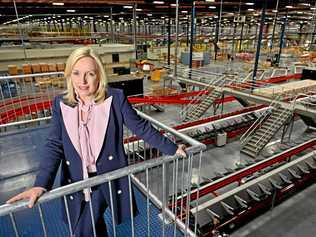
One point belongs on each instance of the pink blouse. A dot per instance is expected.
(89, 134)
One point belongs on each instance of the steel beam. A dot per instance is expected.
(263, 15)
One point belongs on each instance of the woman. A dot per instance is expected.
(86, 137)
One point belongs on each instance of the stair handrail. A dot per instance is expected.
(190, 70)
(190, 106)
(247, 76)
(279, 118)
(246, 136)
(309, 94)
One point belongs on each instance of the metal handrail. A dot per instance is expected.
(191, 70)
(6, 209)
(284, 112)
(246, 136)
(189, 108)
(174, 132)
(196, 147)
(31, 75)
(309, 94)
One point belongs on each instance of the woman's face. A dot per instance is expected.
(84, 78)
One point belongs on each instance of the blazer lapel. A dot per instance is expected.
(70, 117)
(100, 124)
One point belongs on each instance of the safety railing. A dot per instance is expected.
(247, 135)
(158, 179)
(28, 97)
(260, 75)
(192, 105)
(199, 75)
(279, 72)
(306, 99)
(283, 116)
(212, 80)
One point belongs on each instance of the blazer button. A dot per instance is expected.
(71, 197)
(119, 191)
(67, 162)
(110, 157)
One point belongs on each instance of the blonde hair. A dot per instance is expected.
(74, 57)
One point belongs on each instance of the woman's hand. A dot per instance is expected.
(32, 195)
(181, 151)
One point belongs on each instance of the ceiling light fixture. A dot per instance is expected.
(58, 3)
(209, 0)
(127, 7)
(71, 10)
(289, 7)
(250, 3)
(158, 2)
(212, 7)
(139, 10)
(250, 9)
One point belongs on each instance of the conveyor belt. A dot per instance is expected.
(250, 170)
(267, 189)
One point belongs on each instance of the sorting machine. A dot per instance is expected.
(228, 200)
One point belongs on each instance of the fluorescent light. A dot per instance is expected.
(212, 7)
(58, 3)
(313, 8)
(158, 2)
(139, 10)
(274, 11)
(209, 0)
(289, 7)
(127, 7)
(250, 9)
(149, 14)
(71, 10)
(250, 3)
(184, 11)
(173, 5)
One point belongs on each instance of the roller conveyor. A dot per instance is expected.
(248, 171)
(254, 196)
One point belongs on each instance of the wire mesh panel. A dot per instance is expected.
(28, 97)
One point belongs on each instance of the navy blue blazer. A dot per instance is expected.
(59, 149)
